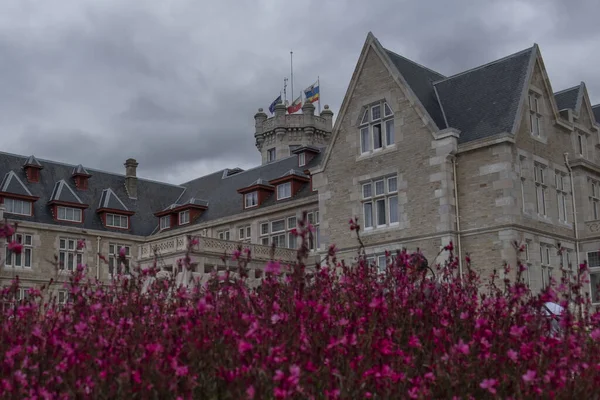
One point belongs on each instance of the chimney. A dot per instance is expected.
(131, 177)
(327, 114)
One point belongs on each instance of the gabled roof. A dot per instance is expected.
(294, 172)
(79, 170)
(596, 111)
(32, 162)
(420, 80)
(484, 101)
(308, 147)
(109, 199)
(260, 182)
(13, 184)
(63, 192)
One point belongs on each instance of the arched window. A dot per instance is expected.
(376, 128)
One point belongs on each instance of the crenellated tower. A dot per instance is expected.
(277, 136)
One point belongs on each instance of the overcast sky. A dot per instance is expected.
(175, 84)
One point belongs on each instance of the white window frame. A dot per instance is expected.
(245, 233)
(562, 196)
(528, 262)
(118, 217)
(65, 210)
(251, 199)
(539, 176)
(224, 234)
(25, 258)
(302, 159)
(282, 193)
(184, 217)
(69, 256)
(314, 242)
(369, 121)
(594, 265)
(373, 192)
(535, 115)
(114, 259)
(165, 222)
(581, 144)
(271, 154)
(594, 195)
(283, 238)
(24, 206)
(545, 263)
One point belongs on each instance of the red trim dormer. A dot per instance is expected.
(29, 199)
(306, 154)
(297, 180)
(80, 176)
(103, 212)
(32, 168)
(56, 205)
(193, 206)
(262, 189)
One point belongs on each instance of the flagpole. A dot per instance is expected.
(319, 85)
(292, 72)
(284, 91)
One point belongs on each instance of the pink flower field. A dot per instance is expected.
(331, 332)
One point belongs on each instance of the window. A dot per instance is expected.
(244, 233)
(24, 258)
(380, 202)
(527, 261)
(376, 131)
(284, 191)
(69, 256)
(165, 222)
(540, 188)
(581, 144)
(184, 217)
(251, 199)
(15, 206)
(223, 235)
(545, 264)
(271, 155)
(69, 214)
(301, 159)
(63, 297)
(522, 161)
(314, 240)
(535, 116)
(118, 265)
(594, 265)
(278, 232)
(117, 221)
(567, 262)
(594, 199)
(561, 194)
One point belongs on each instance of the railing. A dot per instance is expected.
(213, 246)
(295, 121)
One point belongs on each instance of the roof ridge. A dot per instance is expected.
(413, 62)
(518, 53)
(90, 169)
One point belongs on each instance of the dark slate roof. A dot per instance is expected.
(420, 80)
(221, 191)
(307, 147)
(152, 196)
(80, 170)
(294, 172)
(596, 111)
(484, 101)
(260, 181)
(31, 160)
(63, 192)
(13, 184)
(192, 201)
(110, 200)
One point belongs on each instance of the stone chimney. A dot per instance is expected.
(327, 114)
(131, 177)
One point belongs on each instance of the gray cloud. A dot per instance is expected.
(176, 84)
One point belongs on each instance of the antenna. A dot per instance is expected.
(284, 91)
(292, 72)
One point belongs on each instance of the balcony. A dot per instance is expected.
(214, 247)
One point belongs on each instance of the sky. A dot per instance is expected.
(175, 84)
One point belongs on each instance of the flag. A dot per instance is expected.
(296, 105)
(312, 92)
(274, 103)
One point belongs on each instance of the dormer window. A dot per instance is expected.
(16, 206)
(68, 214)
(165, 222)
(117, 221)
(271, 155)
(184, 217)
(301, 159)
(377, 130)
(284, 191)
(251, 199)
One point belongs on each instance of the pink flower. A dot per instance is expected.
(462, 347)
(122, 252)
(489, 385)
(80, 244)
(595, 334)
(529, 376)
(513, 355)
(464, 315)
(181, 371)
(244, 346)
(15, 247)
(414, 342)
(273, 267)
(250, 392)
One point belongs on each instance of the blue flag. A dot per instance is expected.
(274, 103)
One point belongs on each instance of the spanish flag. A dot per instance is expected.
(312, 92)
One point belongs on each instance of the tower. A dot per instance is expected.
(277, 136)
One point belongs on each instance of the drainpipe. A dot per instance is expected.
(576, 232)
(458, 244)
(98, 257)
